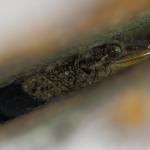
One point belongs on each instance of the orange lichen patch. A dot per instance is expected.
(131, 110)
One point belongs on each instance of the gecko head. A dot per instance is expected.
(117, 56)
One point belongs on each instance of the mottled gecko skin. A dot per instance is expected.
(67, 74)
(72, 72)
(79, 70)
(64, 75)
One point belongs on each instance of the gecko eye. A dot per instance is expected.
(114, 51)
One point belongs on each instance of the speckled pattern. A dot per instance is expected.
(74, 71)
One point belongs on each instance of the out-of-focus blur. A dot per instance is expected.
(111, 116)
(31, 29)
